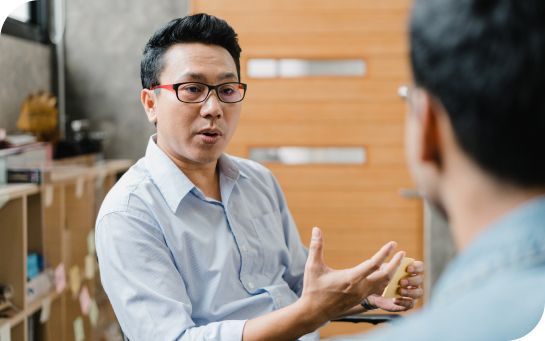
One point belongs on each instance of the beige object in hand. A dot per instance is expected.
(391, 289)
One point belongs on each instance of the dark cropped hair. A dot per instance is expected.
(197, 28)
(484, 60)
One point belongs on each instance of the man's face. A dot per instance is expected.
(195, 134)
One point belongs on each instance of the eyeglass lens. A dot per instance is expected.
(198, 92)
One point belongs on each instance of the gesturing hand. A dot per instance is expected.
(328, 293)
(410, 290)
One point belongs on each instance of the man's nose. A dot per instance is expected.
(212, 106)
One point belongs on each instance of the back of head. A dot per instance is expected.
(484, 60)
(197, 28)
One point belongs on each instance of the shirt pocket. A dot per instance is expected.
(270, 233)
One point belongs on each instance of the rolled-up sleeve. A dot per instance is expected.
(145, 288)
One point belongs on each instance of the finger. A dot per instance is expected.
(387, 271)
(365, 268)
(404, 302)
(316, 249)
(411, 281)
(416, 267)
(415, 293)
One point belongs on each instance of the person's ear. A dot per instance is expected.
(430, 109)
(149, 102)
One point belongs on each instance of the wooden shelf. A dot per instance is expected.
(12, 191)
(30, 310)
(54, 219)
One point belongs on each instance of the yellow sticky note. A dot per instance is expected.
(391, 289)
(75, 280)
(80, 187)
(91, 242)
(48, 195)
(5, 332)
(79, 333)
(46, 308)
(93, 313)
(4, 198)
(90, 267)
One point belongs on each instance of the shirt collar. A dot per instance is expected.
(229, 168)
(173, 184)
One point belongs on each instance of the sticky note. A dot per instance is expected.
(75, 280)
(4, 198)
(100, 177)
(48, 195)
(84, 300)
(79, 333)
(93, 313)
(46, 309)
(5, 332)
(90, 267)
(391, 289)
(60, 278)
(91, 242)
(80, 187)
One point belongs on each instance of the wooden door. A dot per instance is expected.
(359, 207)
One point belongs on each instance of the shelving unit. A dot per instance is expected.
(55, 220)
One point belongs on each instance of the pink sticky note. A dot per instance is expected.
(84, 300)
(60, 278)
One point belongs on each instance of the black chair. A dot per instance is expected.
(368, 318)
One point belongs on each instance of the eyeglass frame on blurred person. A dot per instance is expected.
(174, 88)
(404, 92)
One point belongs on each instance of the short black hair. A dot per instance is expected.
(197, 28)
(484, 60)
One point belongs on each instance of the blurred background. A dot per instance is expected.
(322, 111)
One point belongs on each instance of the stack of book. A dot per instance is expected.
(25, 163)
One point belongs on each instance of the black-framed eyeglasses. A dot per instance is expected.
(195, 92)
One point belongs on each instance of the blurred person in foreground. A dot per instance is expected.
(475, 141)
(195, 244)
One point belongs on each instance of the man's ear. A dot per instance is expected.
(431, 151)
(149, 101)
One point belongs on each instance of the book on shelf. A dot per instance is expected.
(27, 175)
(30, 156)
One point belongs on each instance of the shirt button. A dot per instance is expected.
(244, 248)
(251, 285)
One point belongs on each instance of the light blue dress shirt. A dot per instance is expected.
(177, 265)
(494, 290)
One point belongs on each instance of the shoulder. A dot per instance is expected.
(130, 194)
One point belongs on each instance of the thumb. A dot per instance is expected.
(316, 251)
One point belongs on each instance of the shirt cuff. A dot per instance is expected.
(230, 330)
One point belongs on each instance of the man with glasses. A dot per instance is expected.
(475, 140)
(194, 244)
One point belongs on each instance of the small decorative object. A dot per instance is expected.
(7, 309)
(39, 116)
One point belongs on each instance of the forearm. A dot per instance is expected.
(288, 323)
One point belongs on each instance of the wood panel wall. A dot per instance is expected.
(359, 207)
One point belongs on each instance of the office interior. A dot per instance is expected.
(322, 112)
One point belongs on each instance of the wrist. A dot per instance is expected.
(367, 305)
(309, 316)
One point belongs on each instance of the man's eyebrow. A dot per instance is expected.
(227, 75)
(199, 77)
(193, 76)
